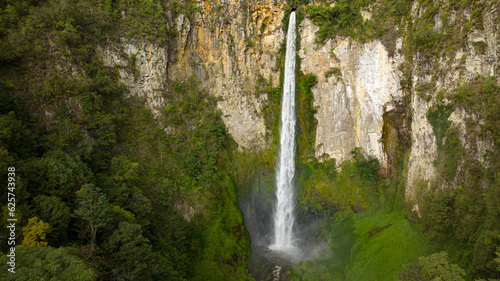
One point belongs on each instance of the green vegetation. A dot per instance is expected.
(371, 235)
(345, 19)
(107, 191)
(390, 19)
(438, 117)
(334, 20)
(305, 114)
(364, 246)
(333, 71)
(357, 186)
(111, 194)
(433, 267)
(481, 96)
(422, 90)
(100, 186)
(33, 263)
(463, 220)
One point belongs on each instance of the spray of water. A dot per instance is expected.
(284, 217)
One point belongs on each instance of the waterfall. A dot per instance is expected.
(284, 214)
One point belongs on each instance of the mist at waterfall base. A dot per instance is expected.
(278, 232)
(258, 209)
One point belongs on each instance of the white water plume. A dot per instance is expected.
(284, 217)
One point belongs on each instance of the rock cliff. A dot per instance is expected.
(359, 83)
(449, 73)
(229, 46)
(362, 85)
(232, 45)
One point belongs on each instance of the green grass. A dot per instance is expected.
(386, 241)
(365, 246)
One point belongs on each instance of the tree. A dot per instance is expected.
(57, 173)
(132, 256)
(34, 232)
(94, 208)
(124, 190)
(435, 267)
(56, 213)
(48, 263)
(367, 168)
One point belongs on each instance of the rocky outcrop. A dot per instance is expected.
(142, 68)
(357, 84)
(230, 46)
(448, 73)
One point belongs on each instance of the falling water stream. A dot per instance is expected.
(284, 217)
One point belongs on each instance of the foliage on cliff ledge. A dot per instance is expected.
(334, 20)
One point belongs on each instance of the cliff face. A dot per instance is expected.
(231, 46)
(142, 68)
(449, 73)
(364, 83)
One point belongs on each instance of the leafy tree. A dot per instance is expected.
(57, 173)
(439, 212)
(132, 257)
(483, 261)
(15, 136)
(497, 260)
(94, 208)
(367, 168)
(124, 190)
(435, 267)
(56, 213)
(329, 164)
(48, 263)
(103, 130)
(413, 272)
(34, 232)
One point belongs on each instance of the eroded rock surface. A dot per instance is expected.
(357, 83)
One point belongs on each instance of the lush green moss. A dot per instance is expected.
(365, 246)
(438, 118)
(305, 114)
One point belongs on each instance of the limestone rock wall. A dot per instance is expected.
(142, 67)
(229, 46)
(364, 83)
(449, 73)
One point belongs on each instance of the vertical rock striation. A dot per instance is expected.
(230, 46)
(357, 84)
